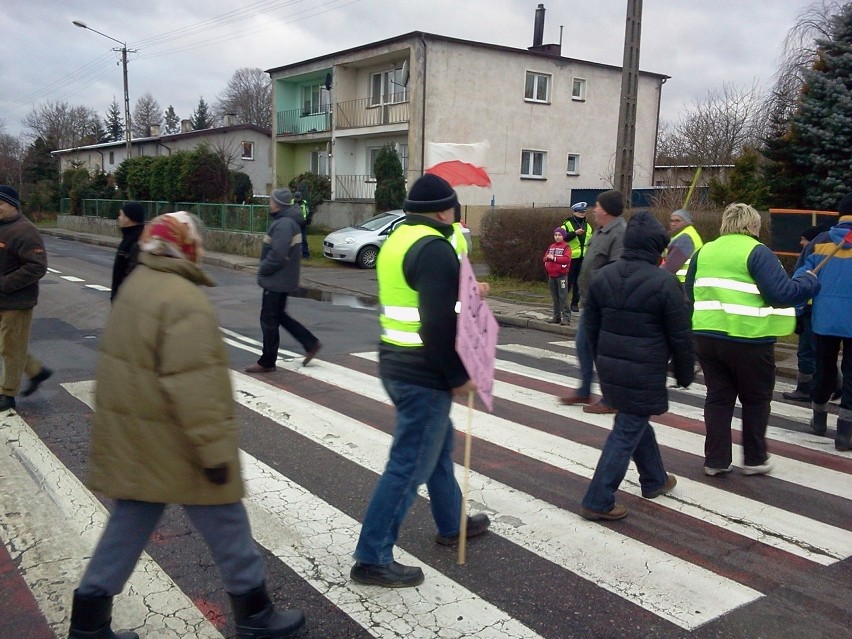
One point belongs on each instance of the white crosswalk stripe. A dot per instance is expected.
(315, 539)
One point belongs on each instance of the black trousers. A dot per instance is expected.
(825, 380)
(732, 370)
(272, 315)
(574, 279)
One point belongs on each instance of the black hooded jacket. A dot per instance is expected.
(637, 318)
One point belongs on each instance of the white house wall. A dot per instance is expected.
(476, 94)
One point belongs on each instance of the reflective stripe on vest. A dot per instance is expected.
(697, 243)
(400, 304)
(727, 299)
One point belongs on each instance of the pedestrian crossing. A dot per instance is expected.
(524, 454)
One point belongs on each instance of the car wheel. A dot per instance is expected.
(367, 257)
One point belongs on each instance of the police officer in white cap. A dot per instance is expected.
(579, 234)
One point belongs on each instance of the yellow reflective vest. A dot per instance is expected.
(578, 250)
(697, 243)
(726, 296)
(400, 304)
(458, 240)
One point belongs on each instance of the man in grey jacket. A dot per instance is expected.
(278, 276)
(604, 248)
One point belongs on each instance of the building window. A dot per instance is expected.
(578, 89)
(573, 164)
(314, 99)
(248, 151)
(319, 162)
(386, 88)
(112, 157)
(533, 164)
(537, 88)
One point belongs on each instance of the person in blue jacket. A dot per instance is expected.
(832, 325)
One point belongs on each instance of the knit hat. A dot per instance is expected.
(282, 197)
(10, 196)
(133, 211)
(844, 208)
(811, 232)
(685, 215)
(612, 202)
(430, 194)
(175, 235)
(561, 232)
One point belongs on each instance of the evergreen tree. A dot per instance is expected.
(390, 183)
(201, 117)
(114, 123)
(822, 128)
(171, 121)
(783, 177)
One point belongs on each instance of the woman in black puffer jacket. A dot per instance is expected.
(637, 319)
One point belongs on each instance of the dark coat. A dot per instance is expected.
(23, 262)
(637, 318)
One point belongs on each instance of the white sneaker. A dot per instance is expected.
(761, 469)
(711, 472)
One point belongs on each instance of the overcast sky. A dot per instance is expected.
(190, 48)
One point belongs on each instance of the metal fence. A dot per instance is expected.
(239, 218)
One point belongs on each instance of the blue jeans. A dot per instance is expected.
(806, 352)
(421, 452)
(584, 354)
(631, 436)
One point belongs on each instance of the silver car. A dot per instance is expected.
(361, 244)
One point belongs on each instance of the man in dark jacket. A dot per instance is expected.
(278, 276)
(131, 221)
(637, 319)
(23, 262)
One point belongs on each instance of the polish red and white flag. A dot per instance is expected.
(458, 164)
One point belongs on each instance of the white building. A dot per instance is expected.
(244, 147)
(542, 124)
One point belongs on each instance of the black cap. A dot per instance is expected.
(134, 212)
(430, 194)
(10, 195)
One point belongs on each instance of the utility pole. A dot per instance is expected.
(123, 49)
(629, 93)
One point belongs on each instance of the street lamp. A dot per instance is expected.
(123, 50)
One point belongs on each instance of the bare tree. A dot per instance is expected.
(11, 156)
(716, 130)
(146, 113)
(249, 97)
(800, 53)
(61, 125)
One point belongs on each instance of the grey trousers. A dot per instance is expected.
(225, 529)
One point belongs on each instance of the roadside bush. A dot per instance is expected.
(243, 190)
(139, 178)
(513, 241)
(204, 176)
(390, 182)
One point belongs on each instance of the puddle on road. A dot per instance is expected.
(339, 299)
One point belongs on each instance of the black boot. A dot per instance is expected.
(804, 384)
(843, 439)
(819, 421)
(91, 618)
(256, 618)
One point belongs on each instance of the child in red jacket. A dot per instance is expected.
(557, 260)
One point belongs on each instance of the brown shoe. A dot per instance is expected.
(618, 512)
(257, 368)
(671, 482)
(311, 353)
(573, 398)
(600, 409)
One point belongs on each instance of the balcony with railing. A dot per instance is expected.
(300, 122)
(366, 113)
(355, 187)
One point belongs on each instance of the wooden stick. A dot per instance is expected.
(691, 187)
(465, 480)
(847, 239)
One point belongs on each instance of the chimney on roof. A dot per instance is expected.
(154, 130)
(538, 31)
(185, 126)
(230, 119)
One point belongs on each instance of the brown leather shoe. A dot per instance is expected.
(618, 512)
(257, 368)
(600, 409)
(671, 482)
(311, 353)
(573, 398)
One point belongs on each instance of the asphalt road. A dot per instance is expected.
(750, 557)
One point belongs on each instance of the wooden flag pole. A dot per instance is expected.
(466, 480)
(691, 187)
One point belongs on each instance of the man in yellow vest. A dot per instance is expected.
(418, 275)
(743, 301)
(579, 234)
(685, 241)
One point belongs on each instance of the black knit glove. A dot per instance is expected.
(217, 475)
